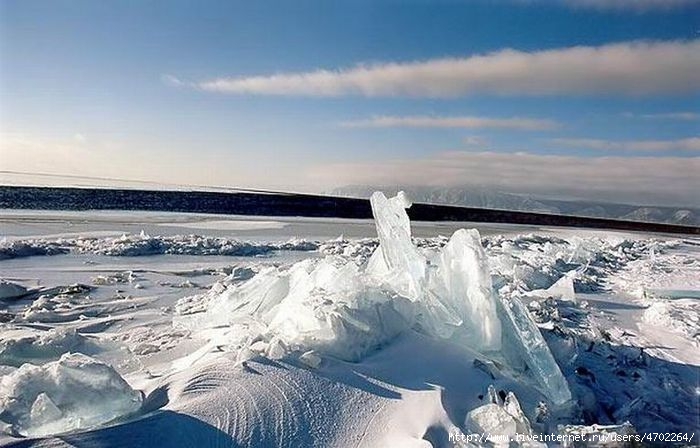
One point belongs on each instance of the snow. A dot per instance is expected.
(326, 346)
(73, 393)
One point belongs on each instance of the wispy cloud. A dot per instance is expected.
(465, 122)
(172, 81)
(680, 116)
(474, 141)
(670, 180)
(628, 68)
(686, 144)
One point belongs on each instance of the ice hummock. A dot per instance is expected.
(135, 245)
(10, 290)
(325, 305)
(335, 307)
(21, 345)
(452, 287)
(73, 393)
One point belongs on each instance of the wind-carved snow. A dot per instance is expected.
(73, 393)
(333, 306)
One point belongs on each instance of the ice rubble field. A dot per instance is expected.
(134, 340)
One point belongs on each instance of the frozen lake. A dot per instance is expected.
(138, 291)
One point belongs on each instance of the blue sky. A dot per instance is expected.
(576, 98)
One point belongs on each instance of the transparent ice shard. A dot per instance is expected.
(243, 302)
(463, 282)
(76, 392)
(44, 411)
(331, 308)
(405, 266)
(452, 292)
(512, 406)
(526, 344)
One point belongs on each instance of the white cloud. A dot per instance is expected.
(680, 116)
(172, 81)
(628, 68)
(669, 180)
(474, 141)
(635, 5)
(686, 144)
(466, 122)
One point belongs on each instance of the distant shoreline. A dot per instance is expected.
(291, 204)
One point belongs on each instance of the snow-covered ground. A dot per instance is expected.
(122, 329)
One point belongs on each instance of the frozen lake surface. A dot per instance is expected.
(130, 291)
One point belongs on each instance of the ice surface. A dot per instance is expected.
(615, 369)
(76, 392)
